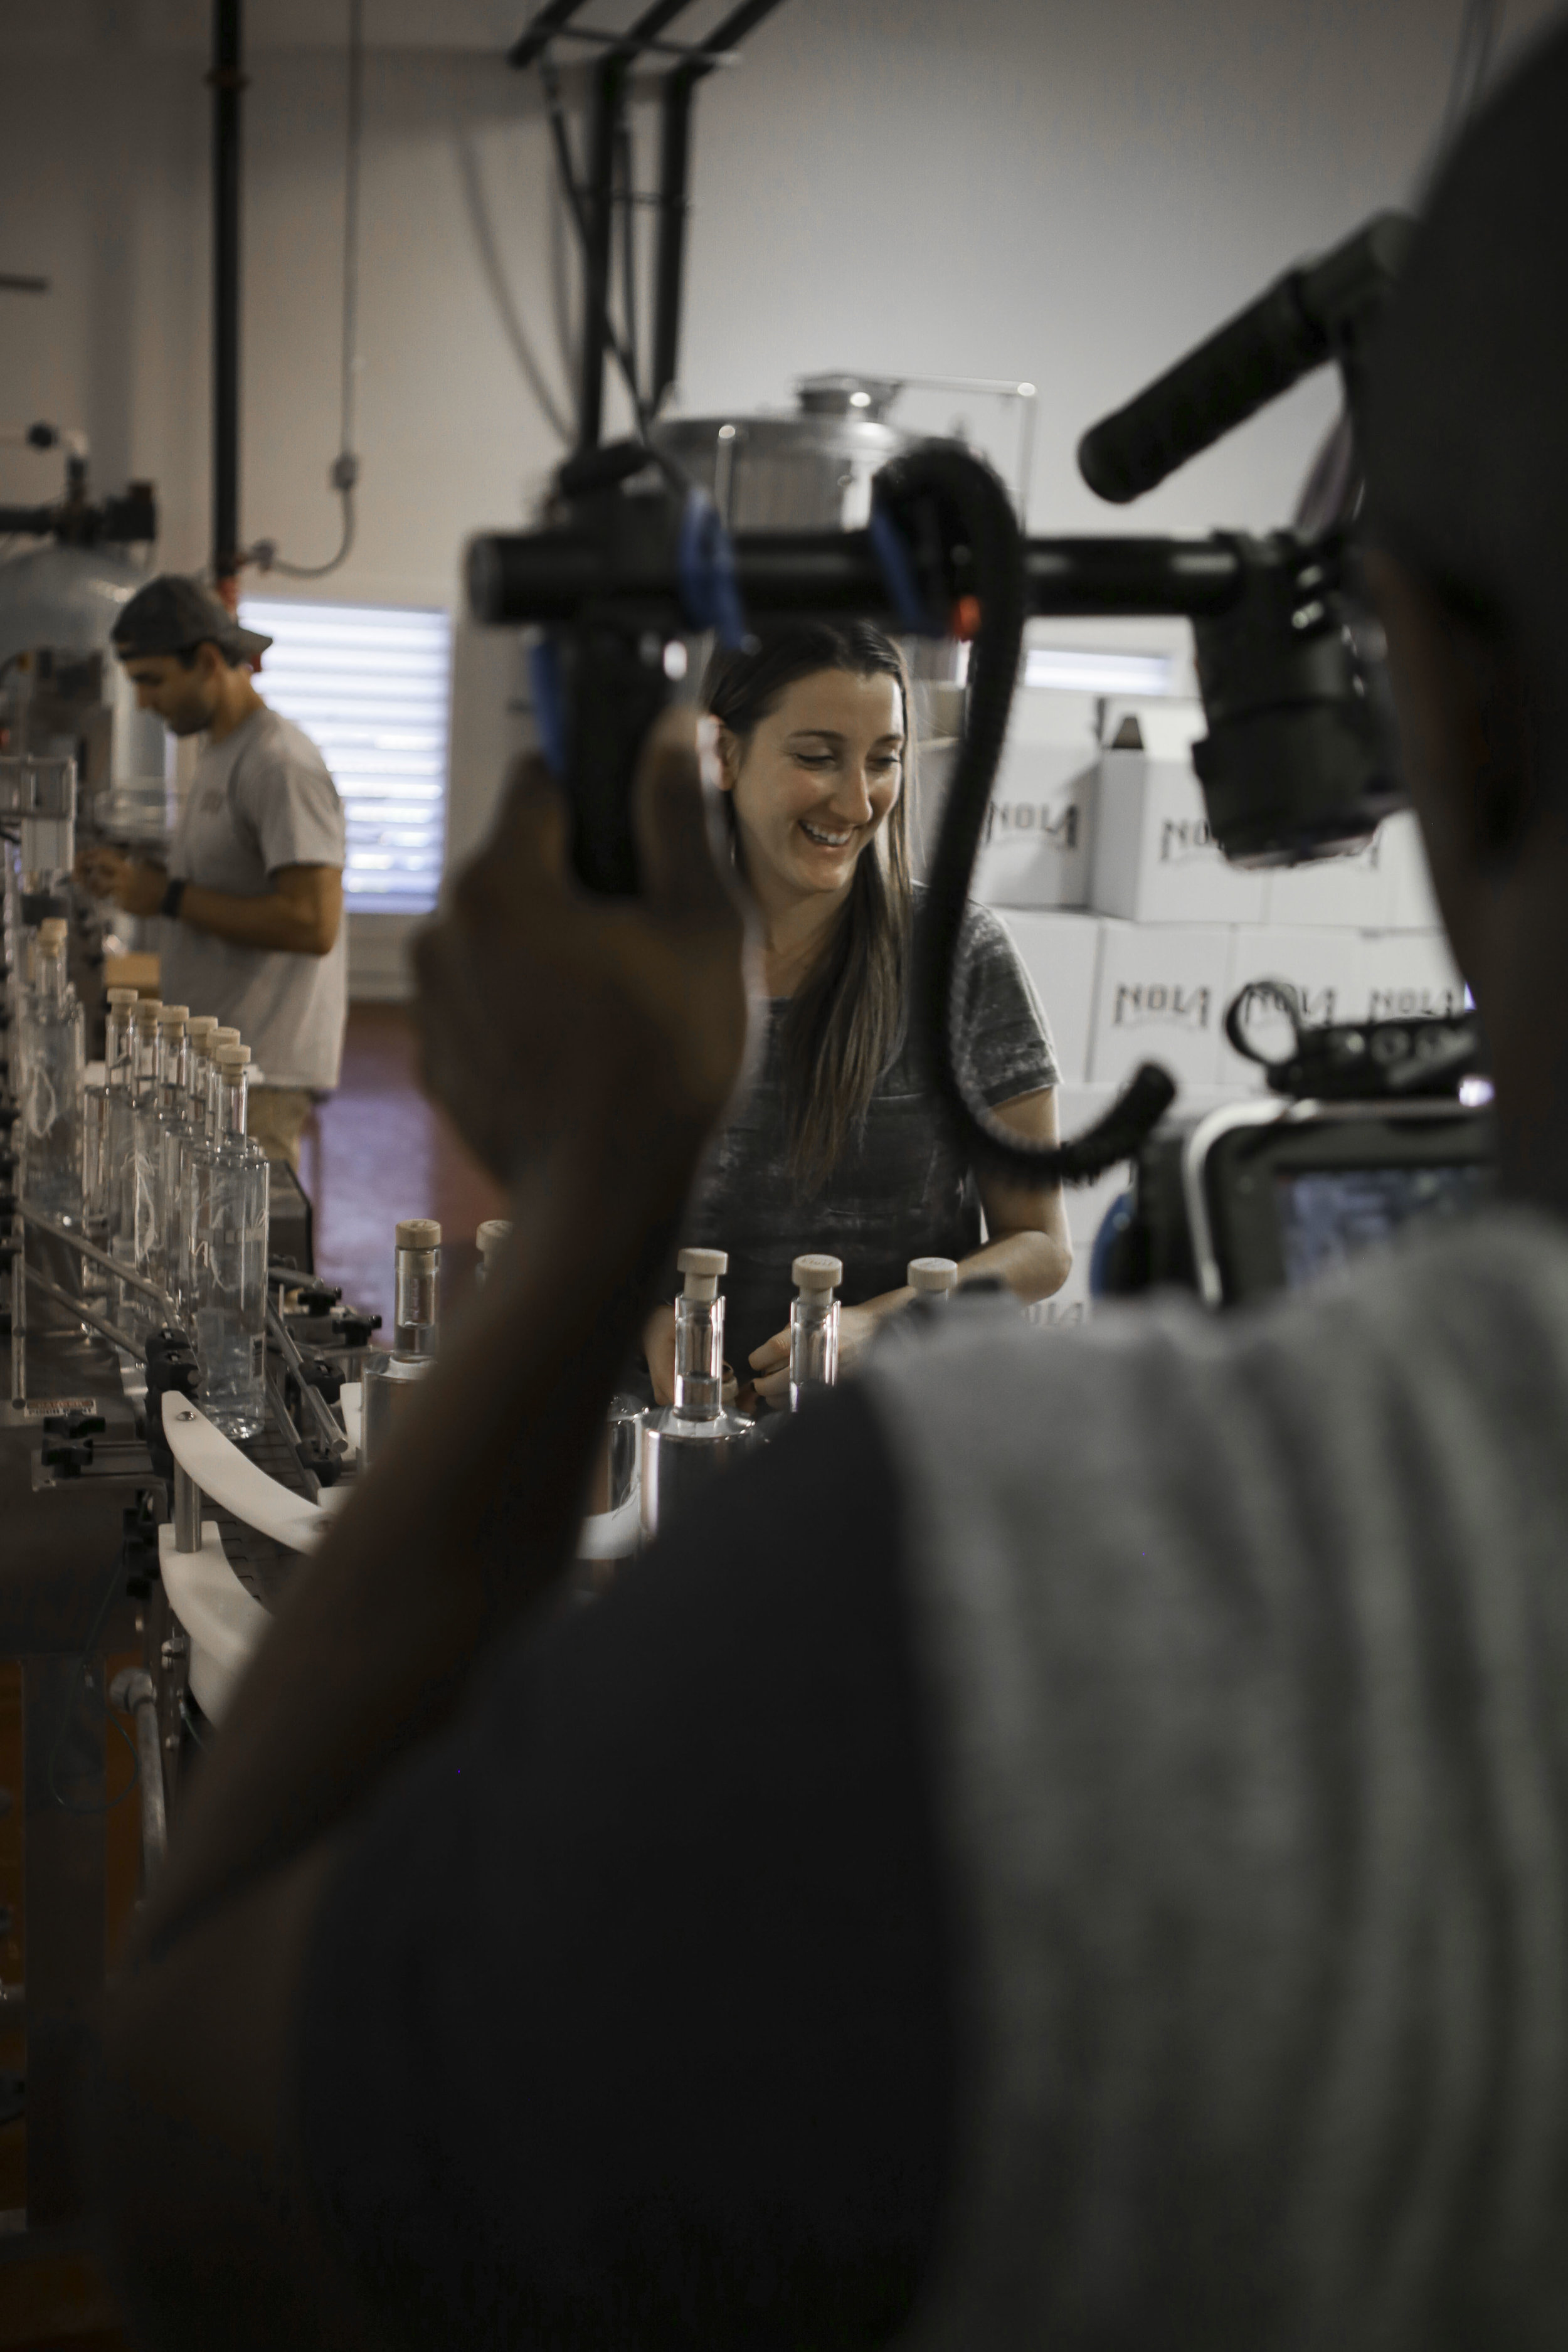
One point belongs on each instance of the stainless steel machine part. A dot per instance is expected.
(87, 1249)
(65, 1530)
(809, 471)
(40, 794)
(134, 1690)
(320, 1412)
(59, 605)
(187, 1511)
(110, 1331)
(687, 1443)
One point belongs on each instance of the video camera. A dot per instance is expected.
(1301, 761)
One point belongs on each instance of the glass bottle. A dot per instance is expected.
(391, 1374)
(685, 1443)
(96, 1119)
(155, 1111)
(52, 1075)
(933, 1277)
(216, 1044)
(134, 1310)
(226, 1207)
(186, 1128)
(813, 1326)
(491, 1237)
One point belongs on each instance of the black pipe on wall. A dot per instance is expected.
(675, 168)
(227, 82)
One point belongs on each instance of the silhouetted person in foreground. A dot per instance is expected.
(1111, 1892)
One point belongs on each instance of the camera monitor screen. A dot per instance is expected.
(1328, 1215)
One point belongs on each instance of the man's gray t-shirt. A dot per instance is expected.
(901, 1189)
(260, 800)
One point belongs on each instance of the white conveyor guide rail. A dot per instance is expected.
(233, 1480)
(224, 1623)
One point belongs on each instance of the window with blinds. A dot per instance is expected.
(369, 683)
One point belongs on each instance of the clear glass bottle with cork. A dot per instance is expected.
(491, 1239)
(133, 1310)
(207, 1108)
(96, 1167)
(52, 1076)
(154, 1121)
(934, 1278)
(227, 1212)
(391, 1374)
(683, 1444)
(180, 1135)
(813, 1326)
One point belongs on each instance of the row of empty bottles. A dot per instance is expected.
(669, 1452)
(680, 1445)
(152, 1164)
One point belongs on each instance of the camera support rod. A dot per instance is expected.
(549, 576)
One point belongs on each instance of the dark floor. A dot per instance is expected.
(377, 1150)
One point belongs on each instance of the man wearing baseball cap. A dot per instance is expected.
(252, 899)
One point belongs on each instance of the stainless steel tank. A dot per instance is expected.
(63, 693)
(808, 472)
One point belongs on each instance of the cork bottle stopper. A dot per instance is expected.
(147, 1011)
(173, 1017)
(419, 1233)
(491, 1234)
(120, 995)
(933, 1275)
(233, 1057)
(701, 1268)
(817, 1277)
(201, 1025)
(52, 930)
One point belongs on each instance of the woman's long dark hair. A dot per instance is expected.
(847, 1023)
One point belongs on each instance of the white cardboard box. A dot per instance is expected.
(1060, 952)
(1326, 968)
(1034, 851)
(1159, 997)
(1353, 893)
(1036, 848)
(1154, 859)
(1407, 973)
(1412, 905)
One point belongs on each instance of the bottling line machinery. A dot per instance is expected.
(109, 1552)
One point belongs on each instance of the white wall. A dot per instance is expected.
(1040, 188)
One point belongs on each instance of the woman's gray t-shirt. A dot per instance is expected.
(901, 1191)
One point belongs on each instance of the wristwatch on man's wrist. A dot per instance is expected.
(170, 903)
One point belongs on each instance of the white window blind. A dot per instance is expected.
(370, 685)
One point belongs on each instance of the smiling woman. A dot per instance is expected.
(842, 1144)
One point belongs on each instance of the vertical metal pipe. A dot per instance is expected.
(134, 1690)
(18, 1314)
(599, 220)
(187, 1511)
(227, 80)
(674, 176)
(674, 171)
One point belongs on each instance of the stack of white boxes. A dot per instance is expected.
(1137, 935)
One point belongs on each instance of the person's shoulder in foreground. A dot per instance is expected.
(1244, 1641)
(1054, 1740)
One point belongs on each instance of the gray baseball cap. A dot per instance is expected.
(173, 614)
